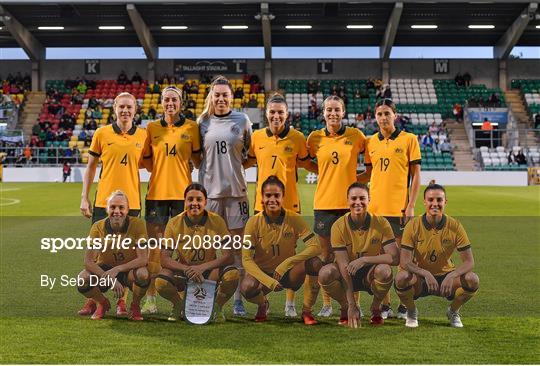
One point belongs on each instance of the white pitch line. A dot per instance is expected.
(11, 201)
(9, 190)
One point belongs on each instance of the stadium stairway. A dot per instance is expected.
(32, 108)
(517, 105)
(463, 156)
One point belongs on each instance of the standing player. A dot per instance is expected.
(336, 148)
(271, 262)
(392, 162)
(226, 137)
(364, 248)
(119, 146)
(126, 266)
(278, 150)
(197, 229)
(172, 141)
(426, 267)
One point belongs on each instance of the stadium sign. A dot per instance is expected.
(325, 66)
(91, 67)
(210, 66)
(441, 66)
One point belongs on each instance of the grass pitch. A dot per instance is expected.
(38, 325)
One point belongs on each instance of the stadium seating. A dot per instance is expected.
(437, 161)
(531, 92)
(497, 158)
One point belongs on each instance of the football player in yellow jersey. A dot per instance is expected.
(191, 231)
(392, 162)
(172, 141)
(426, 267)
(278, 150)
(336, 148)
(271, 262)
(364, 248)
(117, 266)
(120, 148)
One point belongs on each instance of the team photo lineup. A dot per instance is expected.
(269, 182)
(359, 232)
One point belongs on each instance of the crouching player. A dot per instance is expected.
(115, 265)
(196, 228)
(364, 247)
(271, 261)
(426, 267)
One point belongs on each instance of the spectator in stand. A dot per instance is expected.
(486, 125)
(93, 102)
(512, 158)
(28, 154)
(76, 97)
(436, 146)
(537, 121)
(313, 112)
(357, 94)
(136, 79)
(122, 78)
(239, 93)
(191, 103)
(427, 140)
(457, 111)
(467, 79)
(186, 88)
(66, 171)
(152, 112)
(520, 158)
(82, 135)
(445, 146)
(313, 99)
(297, 120)
(433, 129)
(252, 103)
(82, 88)
(387, 92)
(97, 113)
(459, 80)
(370, 84)
(312, 87)
(494, 100)
(194, 89)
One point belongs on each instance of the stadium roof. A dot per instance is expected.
(328, 19)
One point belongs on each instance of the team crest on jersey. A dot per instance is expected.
(235, 129)
(348, 142)
(374, 241)
(398, 150)
(138, 145)
(320, 225)
(446, 242)
(185, 137)
(288, 149)
(288, 235)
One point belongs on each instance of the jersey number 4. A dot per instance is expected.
(124, 160)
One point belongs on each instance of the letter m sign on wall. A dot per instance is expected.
(441, 66)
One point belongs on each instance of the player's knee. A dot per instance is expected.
(471, 280)
(402, 279)
(383, 272)
(142, 277)
(313, 266)
(328, 273)
(232, 275)
(249, 288)
(162, 282)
